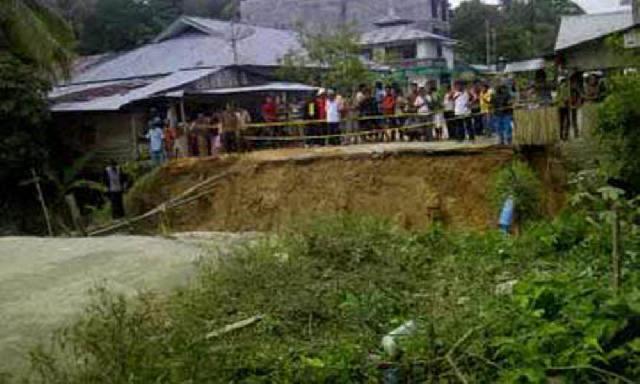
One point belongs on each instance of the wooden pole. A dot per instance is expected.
(134, 137)
(616, 260)
(43, 204)
(182, 110)
(75, 213)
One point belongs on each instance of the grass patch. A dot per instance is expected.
(333, 288)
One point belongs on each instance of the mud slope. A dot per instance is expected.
(409, 187)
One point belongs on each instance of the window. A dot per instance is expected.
(402, 52)
(434, 8)
(367, 54)
(439, 52)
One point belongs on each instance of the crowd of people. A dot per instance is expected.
(459, 111)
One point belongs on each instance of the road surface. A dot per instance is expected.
(44, 282)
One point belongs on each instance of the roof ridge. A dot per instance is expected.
(617, 11)
(236, 23)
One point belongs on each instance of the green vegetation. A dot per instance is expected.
(329, 291)
(618, 121)
(524, 29)
(328, 58)
(31, 32)
(115, 25)
(519, 181)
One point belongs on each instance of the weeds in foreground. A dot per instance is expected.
(312, 305)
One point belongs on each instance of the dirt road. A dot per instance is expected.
(44, 282)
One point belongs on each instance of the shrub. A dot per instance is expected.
(330, 290)
(519, 181)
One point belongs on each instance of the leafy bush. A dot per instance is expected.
(618, 123)
(519, 181)
(567, 325)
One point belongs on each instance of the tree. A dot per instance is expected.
(468, 27)
(618, 118)
(331, 59)
(116, 25)
(37, 35)
(524, 29)
(35, 48)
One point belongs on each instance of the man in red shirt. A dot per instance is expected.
(321, 114)
(269, 110)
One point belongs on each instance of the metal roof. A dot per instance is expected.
(397, 34)
(269, 87)
(193, 42)
(116, 102)
(575, 30)
(524, 66)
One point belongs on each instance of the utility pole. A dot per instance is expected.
(343, 12)
(533, 25)
(487, 28)
(234, 41)
(494, 32)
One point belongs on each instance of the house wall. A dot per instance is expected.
(448, 54)
(427, 50)
(317, 14)
(595, 55)
(104, 135)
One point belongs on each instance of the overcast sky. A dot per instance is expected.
(588, 5)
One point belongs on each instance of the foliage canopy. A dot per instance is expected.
(524, 29)
(331, 59)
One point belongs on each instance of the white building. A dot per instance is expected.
(399, 42)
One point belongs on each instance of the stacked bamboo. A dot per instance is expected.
(537, 126)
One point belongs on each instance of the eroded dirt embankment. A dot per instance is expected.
(267, 191)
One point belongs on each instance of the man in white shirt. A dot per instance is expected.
(333, 117)
(116, 184)
(462, 112)
(422, 105)
(156, 144)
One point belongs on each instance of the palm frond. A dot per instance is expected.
(37, 34)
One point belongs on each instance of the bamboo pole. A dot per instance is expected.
(43, 204)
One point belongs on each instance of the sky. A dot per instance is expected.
(590, 6)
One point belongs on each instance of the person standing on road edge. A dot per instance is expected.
(156, 144)
(485, 108)
(502, 104)
(116, 183)
(462, 119)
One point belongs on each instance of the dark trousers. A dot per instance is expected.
(568, 119)
(117, 204)
(463, 126)
(229, 141)
(478, 126)
(333, 129)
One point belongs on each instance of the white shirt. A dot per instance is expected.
(422, 104)
(155, 136)
(333, 111)
(449, 104)
(461, 103)
(113, 175)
